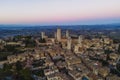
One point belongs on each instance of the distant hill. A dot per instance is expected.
(11, 30)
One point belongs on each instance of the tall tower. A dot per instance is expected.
(80, 40)
(67, 33)
(69, 43)
(55, 35)
(59, 34)
(42, 35)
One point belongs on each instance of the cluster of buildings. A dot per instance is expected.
(66, 58)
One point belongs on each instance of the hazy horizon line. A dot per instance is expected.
(60, 24)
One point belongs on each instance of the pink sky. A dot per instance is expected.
(59, 11)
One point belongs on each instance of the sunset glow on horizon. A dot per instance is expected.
(52, 12)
